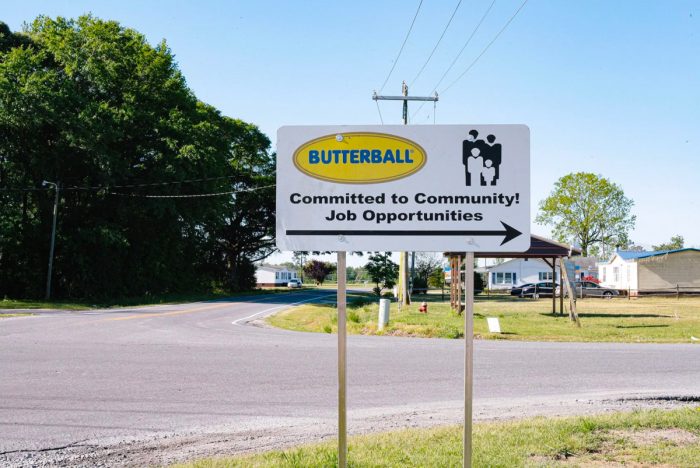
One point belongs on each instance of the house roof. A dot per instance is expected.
(512, 260)
(634, 255)
(540, 247)
(273, 268)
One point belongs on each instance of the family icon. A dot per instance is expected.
(481, 159)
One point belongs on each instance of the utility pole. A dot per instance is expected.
(53, 238)
(404, 297)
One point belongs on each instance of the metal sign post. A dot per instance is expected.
(342, 365)
(468, 354)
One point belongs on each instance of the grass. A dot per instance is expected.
(86, 304)
(2, 316)
(671, 438)
(648, 319)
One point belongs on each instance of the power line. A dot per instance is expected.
(195, 195)
(402, 46)
(522, 5)
(459, 54)
(465, 45)
(381, 119)
(436, 44)
(106, 187)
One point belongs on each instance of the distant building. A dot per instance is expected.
(586, 268)
(519, 271)
(649, 272)
(270, 276)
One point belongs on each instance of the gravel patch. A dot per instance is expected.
(168, 448)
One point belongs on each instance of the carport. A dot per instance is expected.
(540, 247)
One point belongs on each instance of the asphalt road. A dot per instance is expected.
(128, 374)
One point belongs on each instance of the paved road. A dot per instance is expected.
(111, 375)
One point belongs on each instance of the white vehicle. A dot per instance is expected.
(294, 283)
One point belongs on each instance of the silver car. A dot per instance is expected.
(591, 289)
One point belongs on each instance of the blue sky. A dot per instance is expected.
(605, 87)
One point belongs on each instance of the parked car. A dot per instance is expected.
(294, 283)
(541, 289)
(591, 289)
(518, 290)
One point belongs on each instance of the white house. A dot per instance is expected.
(519, 271)
(268, 275)
(640, 272)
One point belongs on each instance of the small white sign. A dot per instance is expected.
(494, 326)
(420, 188)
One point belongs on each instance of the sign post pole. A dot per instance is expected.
(468, 355)
(342, 364)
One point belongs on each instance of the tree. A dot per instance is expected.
(318, 270)
(382, 271)
(675, 243)
(426, 263)
(437, 278)
(588, 210)
(92, 106)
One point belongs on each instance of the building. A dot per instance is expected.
(270, 276)
(519, 271)
(586, 269)
(652, 272)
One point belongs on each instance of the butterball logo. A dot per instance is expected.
(360, 158)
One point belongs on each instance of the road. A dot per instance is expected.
(122, 385)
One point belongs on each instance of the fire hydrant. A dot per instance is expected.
(423, 308)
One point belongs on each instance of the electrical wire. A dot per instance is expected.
(476, 28)
(402, 46)
(436, 44)
(381, 119)
(106, 187)
(522, 5)
(459, 54)
(194, 195)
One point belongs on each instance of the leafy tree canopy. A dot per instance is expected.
(676, 242)
(382, 271)
(91, 106)
(588, 210)
(318, 270)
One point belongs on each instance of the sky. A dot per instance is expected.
(605, 87)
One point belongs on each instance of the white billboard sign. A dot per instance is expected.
(419, 188)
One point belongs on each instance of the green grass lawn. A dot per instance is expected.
(2, 316)
(86, 304)
(640, 438)
(649, 319)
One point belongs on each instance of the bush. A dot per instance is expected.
(420, 283)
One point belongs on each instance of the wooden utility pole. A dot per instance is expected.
(573, 315)
(404, 297)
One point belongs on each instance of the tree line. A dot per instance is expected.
(158, 191)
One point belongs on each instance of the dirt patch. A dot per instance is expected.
(652, 436)
(165, 449)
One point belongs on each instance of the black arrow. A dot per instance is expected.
(509, 233)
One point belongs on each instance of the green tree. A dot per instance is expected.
(588, 210)
(382, 271)
(437, 278)
(426, 263)
(675, 243)
(92, 106)
(318, 270)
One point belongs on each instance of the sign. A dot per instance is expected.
(494, 325)
(421, 188)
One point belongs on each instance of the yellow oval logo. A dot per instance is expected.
(360, 158)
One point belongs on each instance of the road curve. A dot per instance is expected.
(73, 381)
